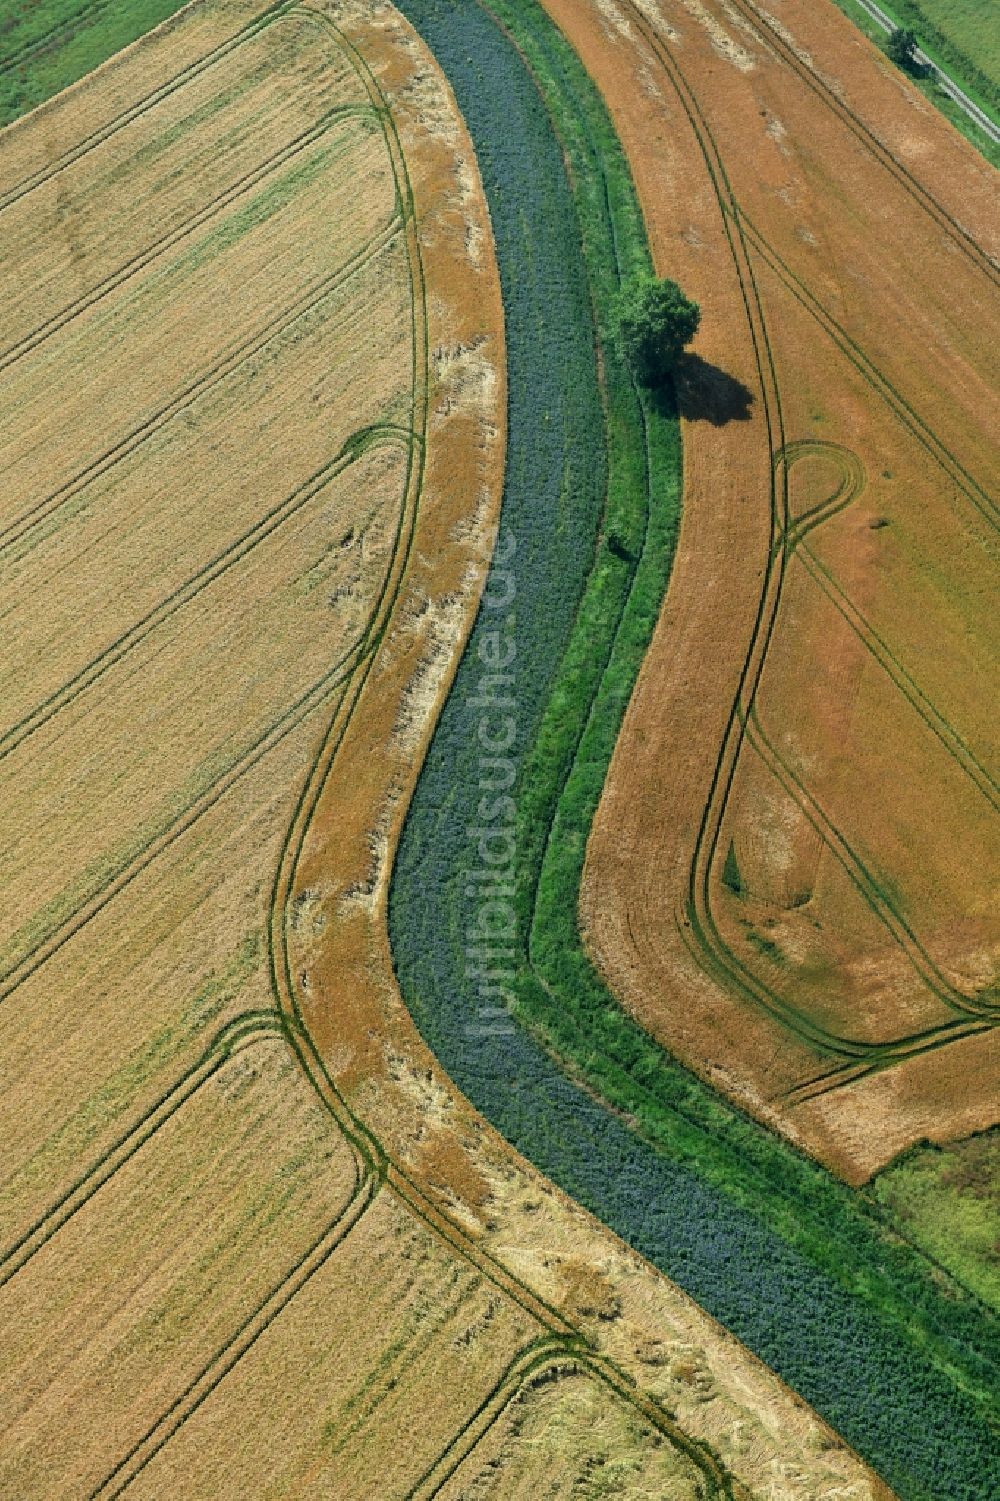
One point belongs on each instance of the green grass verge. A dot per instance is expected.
(961, 36)
(947, 1200)
(45, 45)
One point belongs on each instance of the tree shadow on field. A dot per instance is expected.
(704, 393)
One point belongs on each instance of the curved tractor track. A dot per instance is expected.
(787, 534)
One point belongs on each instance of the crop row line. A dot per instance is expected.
(878, 382)
(363, 648)
(244, 1030)
(844, 1073)
(700, 915)
(858, 873)
(28, 49)
(236, 552)
(201, 1387)
(663, 1131)
(717, 955)
(877, 900)
(875, 147)
(36, 336)
(678, 1104)
(374, 1167)
(369, 1160)
(111, 127)
(548, 1359)
(237, 355)
(371, 1152)
(792, 541)
(722, 959)
(890, 664)
(42, 951)
(286, 993)
(544, 1358)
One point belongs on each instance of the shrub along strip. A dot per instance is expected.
(792, 1261)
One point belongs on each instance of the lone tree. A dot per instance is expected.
(901, 48)
(653, 322)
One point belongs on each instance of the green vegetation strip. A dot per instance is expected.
(45, 45)
(963, 37)
(800, 1267)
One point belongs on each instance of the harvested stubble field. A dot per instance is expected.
(239, 558)
(789, 880)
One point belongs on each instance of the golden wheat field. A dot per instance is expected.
(252, 1241)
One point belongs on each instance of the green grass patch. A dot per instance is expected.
(947, 1200)
(46, 46)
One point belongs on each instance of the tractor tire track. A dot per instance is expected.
(243, 1339)
(867, 138)
(12, 60)
(374, 1166)
(235, 553)
(858, 874)
(208, 379)
(699, 918)
(156, 96)
(243, 1030)
(873, 377)
(11, 353)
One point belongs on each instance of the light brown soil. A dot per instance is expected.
(803, 882)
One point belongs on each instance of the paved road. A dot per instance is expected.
(949, 86)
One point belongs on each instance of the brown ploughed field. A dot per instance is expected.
(791, 879)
